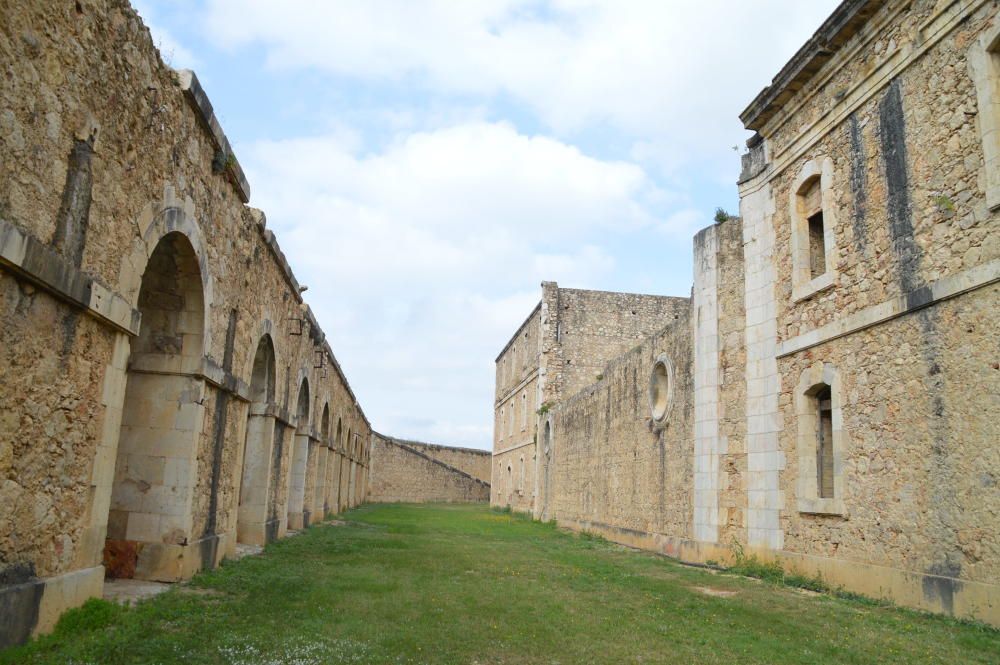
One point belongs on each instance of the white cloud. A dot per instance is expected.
(425, 251)
(421, 256)
(676, 73)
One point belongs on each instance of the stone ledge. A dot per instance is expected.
(947, 287)
(24, 255)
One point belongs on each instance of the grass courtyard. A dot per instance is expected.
(464, 584)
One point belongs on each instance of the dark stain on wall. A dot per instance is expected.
(892, 133)
(20, 596)
(74, 210)
(859, 183)
(941, 475)
(219, 427)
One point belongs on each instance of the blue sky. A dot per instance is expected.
(426, 164)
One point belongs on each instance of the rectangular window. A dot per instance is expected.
(817, 246)
(824, 445)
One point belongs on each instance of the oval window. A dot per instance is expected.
(660, 389)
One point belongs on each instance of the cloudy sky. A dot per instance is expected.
(426, 164)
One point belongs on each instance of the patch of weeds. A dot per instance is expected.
(772, 571)
(506, 510)
(95, 614)
(544, 408)
(721, 215)
(806, 582)
(944, 204)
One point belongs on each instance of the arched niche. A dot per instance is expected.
(150, 515)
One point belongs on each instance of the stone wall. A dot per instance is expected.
(561, 347)
(588, 328)
(148, 324)
(836, 389)
(407, 472)
(891, 127)
(472, 461)
(611, 465)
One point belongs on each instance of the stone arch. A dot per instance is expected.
(820, 382)
(302, 404)
(254, 521)
(150, 517)
(323, 462)
(297, 519)
(813, 224)
(156, 221)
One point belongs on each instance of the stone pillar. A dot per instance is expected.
(297, 480)
(707, 378)
(319, 502)
(765, 461)
(255, 515)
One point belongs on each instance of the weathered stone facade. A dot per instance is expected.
(164, 390)
(414, 472)
(830, 395)
(561, 347)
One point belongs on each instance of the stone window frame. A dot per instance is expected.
(503, 425)
(520, 478)
(660, 420)
(807, 417)
(803, 284)
(984, 67)
(524, 410)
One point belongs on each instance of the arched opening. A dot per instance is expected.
(345, 472)
(352, 476)
(338, 465)
(150, 518)
(300, 459)
(255, 523)
(322, 461)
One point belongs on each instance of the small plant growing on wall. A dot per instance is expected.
(544, 408)
(721, 215)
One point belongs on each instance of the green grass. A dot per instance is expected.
(463, 584)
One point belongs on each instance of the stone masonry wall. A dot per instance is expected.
(594, 326)
(472, 461)
(611, 467)
(107, 156)
(409, 473)
(892, 125)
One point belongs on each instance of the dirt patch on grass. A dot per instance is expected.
(712, 591)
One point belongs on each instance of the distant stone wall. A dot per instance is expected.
(472, 461)
(588, 328)
(611, 464)
(402, 472)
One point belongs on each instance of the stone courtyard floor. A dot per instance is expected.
(464, 584)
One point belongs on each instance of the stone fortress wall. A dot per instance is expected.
(830, 397)
(413, 472)
(561, 346)
(164, 390)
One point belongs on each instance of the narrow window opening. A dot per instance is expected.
(824, 444)
(817, 246)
